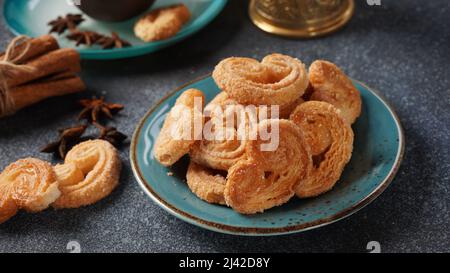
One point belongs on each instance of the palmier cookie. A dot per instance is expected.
(331, 85)
(277, 80)
(162, 23)
(226, 144)
(331, 140)
(90, 173)
(221, 154)
(185, 120)
(28, 184)
(269, 178)
(205, 184)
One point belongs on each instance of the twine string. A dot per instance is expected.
(9, 67)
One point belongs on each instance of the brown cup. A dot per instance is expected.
(114, 10)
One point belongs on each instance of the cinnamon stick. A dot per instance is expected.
(29, 94)
(38, 46)
(56, 76)
(61, 60)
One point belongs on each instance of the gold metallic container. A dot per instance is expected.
(301, 18)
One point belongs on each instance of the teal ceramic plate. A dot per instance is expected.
(30, 17)
(378, 151)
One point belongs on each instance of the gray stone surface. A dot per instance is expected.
(400, 48)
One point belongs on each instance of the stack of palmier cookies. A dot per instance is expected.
(312, 121)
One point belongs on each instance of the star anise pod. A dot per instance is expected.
(67, 138)
(113, 41)
(94, 108)
(84, 37)
(61, 24)
(111, 135)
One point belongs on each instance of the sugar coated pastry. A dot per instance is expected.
(220, 155)
(331, 140)
(179, 133)
(28, 184)
(90, 173)
(205, 184)
(162, 23)
(276, 80)
(266, 179)
(330, 84)
(225, 146)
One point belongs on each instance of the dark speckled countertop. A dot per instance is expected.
(401, 48)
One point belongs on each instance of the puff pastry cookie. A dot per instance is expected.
(28, 184)
(90, 173)
(162, 23)
(205, 184)
(276, 80)
(226, 144)
(168, 149)
(331, 140)
(331, 85)
(269, 178)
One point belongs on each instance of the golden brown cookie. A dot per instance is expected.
(225, 136)
(179, 133)
(162, 23)
(220, 155)
(269, 178)
(276, 80)
(331, 85)
(28, 184)
(331, 140)
(90, 173)
(205, 184)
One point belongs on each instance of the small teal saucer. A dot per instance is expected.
(30, 17)
(378, 151)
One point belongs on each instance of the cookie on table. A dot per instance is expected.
(162, 23)
(91, 171)
(28, 184)
(330, 84)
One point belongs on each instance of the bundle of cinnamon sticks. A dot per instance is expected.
(52, 72)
